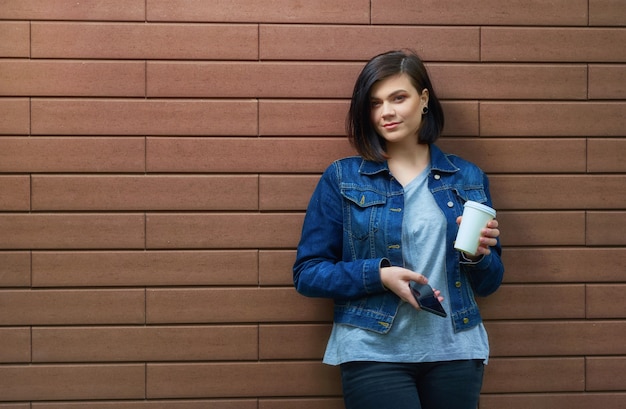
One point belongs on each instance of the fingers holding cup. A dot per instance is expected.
(478, 229)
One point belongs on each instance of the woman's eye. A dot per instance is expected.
(399, 98)
(375, 104)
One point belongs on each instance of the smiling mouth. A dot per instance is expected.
(390, 125)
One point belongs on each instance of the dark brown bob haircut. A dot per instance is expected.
(361, 132)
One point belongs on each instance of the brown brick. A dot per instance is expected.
(490, 12)
(262, 379)
(606, 301)
(57, 307)
(553, 401)
(607, 13)
(292, 118)
(555, 301)
(78, 154)
(560, 192)
(71, 10)
(570, 265)
(293, 341)
(15, 114)
(286, 192)
(552, 119)
(509, 81)
(275, 267)
(69, 382)
(14, 345)
(125, 344)
(152, 404)
(144, 268)
(606, 155)
(562, 44)
(234, 305)
(606, 228)
(15, 405)
(245, 155)
(304, 403)
(145, 193)
(15, 193)
(144, 41)
(534, 228)
(461, 118)
(556, 338)
(605, 373)
(607, 81)
(182, 230)
(337, 43)
(72, 231)
(251, 80)
(14, 269)
(143, 117)
(72, 78)
(16, 38)
(534, 375)
(279, 11)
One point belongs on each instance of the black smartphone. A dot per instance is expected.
(425, 297)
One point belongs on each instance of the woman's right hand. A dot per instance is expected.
(397, 279)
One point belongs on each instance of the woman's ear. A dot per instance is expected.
(424, 96)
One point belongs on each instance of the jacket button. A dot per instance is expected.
(437, 177)
(465, 320)
(458, 284)
(450, 204)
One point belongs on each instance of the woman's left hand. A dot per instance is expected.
(488, 238)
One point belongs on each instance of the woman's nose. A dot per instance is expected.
(387, 110)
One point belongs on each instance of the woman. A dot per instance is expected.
(389, 217)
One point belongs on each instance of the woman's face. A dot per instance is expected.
(396, 109)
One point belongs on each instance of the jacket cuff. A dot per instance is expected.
(480, 264)
(469, 261)
(371, 275)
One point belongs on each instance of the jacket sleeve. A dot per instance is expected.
(487, 273)
(320, 269)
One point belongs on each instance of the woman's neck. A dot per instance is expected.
(406, 164)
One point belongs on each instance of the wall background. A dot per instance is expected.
(156, 158)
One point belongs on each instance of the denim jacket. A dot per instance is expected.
(353, 227)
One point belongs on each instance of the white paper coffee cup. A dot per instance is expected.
(475, 218)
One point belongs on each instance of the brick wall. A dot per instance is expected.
(156, 158)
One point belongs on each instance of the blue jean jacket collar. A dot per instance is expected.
(438, 162)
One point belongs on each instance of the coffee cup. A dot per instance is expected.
(475, 218)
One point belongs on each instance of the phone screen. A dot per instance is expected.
(425, 297)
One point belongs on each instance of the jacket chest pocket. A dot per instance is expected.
(473, 193)
(363, 211)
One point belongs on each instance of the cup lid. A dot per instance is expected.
(481, 207)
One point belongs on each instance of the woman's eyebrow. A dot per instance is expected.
(392, 94)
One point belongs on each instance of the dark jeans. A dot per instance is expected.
(437, 385)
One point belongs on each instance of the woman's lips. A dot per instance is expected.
(391, 125)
